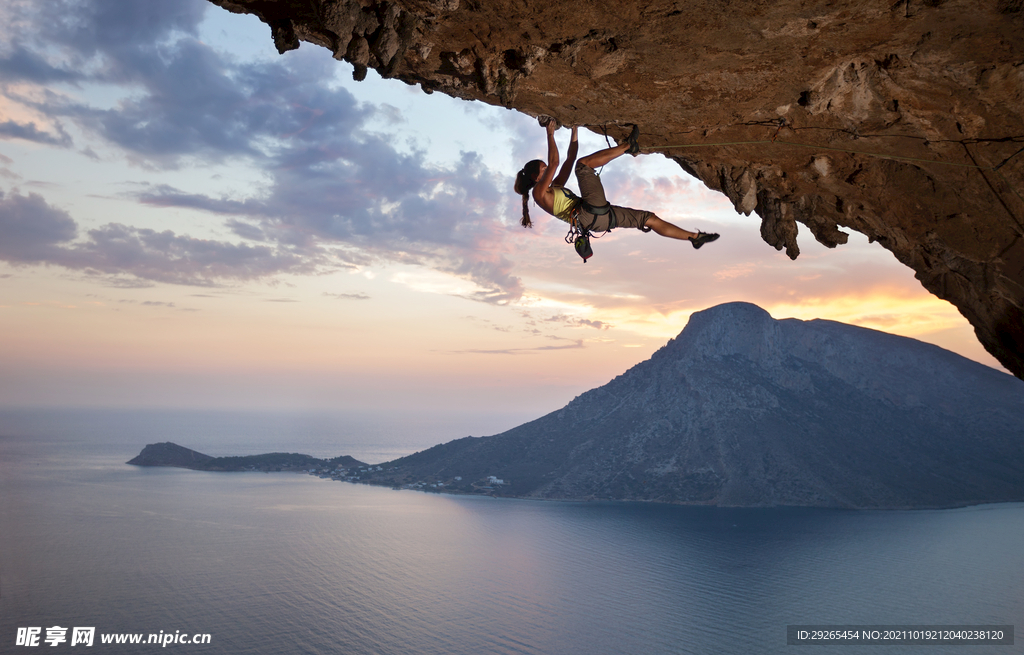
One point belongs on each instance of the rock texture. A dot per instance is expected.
(744, 410)
(900, 119)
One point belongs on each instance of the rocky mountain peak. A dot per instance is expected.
(743, 409)
(737, 329)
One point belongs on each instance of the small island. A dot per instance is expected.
(171, 454)
(343, 468)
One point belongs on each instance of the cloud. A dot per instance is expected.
(575, 321)
(192, 105)
(520, 351)
(183, 96)
(22, 64)
(385, 204)
(33, 232)
(29, 132)
(347, 296)
(116, 27)
(112, 40)
(332, 184)
(167, 257)
(167, 196)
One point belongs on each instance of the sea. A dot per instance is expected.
(282, 563)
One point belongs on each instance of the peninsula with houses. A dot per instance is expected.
(739, 410)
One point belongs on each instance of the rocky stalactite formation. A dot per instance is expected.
(900, 119)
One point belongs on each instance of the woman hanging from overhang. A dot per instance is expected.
(591, 212)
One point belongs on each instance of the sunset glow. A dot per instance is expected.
(234, 228)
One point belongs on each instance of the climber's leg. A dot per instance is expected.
(602, 157)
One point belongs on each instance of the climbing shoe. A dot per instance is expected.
(634, 141)
(702, 238)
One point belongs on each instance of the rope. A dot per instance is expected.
(774, 139)
(781, 123)
(607, 141)
(816, 147)
(877, 155)
(1007, 183)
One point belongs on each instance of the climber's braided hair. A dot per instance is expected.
(525, 180)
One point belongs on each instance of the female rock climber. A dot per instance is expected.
(592, 211)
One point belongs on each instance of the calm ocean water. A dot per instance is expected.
(288, 563)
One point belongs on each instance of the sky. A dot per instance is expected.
(190, 220)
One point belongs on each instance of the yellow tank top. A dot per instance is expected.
(565, 201)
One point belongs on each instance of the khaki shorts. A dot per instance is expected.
(592, 193)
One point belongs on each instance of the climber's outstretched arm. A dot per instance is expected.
(547, 174)
(570, 160)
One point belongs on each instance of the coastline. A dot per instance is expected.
(376, 475)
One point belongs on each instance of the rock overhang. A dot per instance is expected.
(900, 120)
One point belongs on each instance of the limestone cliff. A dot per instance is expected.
(900, 119)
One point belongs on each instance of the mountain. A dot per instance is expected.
(744, 410)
